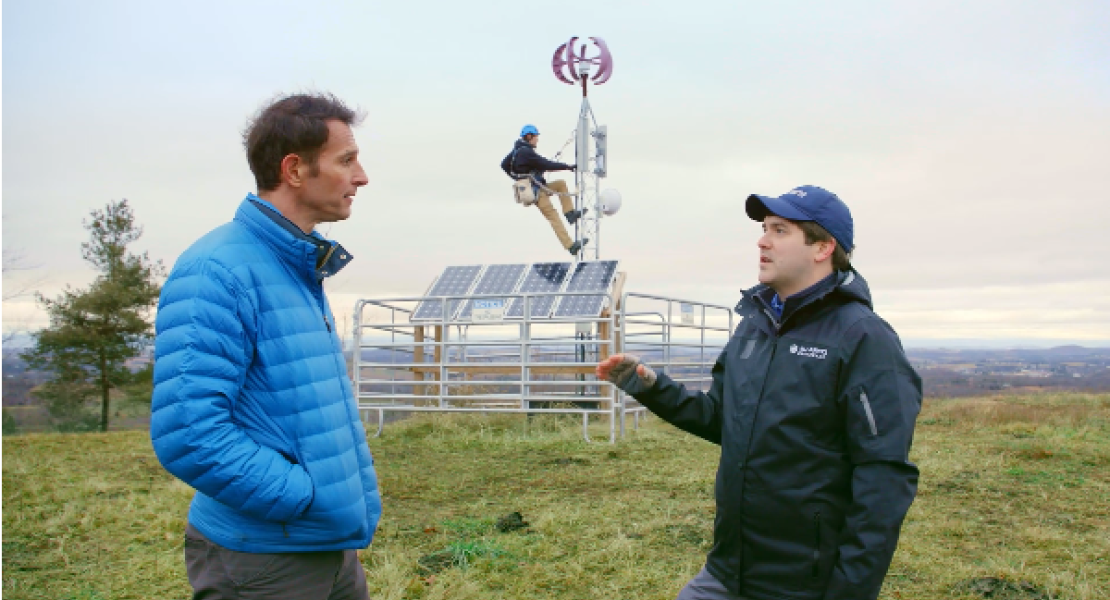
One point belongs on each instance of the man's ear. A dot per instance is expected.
(293, 170)
(825, 250)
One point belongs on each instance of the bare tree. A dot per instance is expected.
(15, 261)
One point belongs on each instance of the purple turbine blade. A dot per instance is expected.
(572, 60)
(605, 61)
(557, 64)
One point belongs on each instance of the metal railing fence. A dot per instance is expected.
(523, 365)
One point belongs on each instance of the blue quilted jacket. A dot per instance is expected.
(252, 404)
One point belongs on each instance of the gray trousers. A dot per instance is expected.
(217, 573)
(705, 587)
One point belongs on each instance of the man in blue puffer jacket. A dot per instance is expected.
(252, 403)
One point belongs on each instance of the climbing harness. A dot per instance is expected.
(526, 188)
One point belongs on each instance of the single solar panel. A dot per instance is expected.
(496, 279)
(455, 281)
(540, 278)
(587, 277)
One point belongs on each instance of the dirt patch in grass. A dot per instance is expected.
(568, 461)
(1036, 454)
(1001, 589)
(686, 535)
(511, 522)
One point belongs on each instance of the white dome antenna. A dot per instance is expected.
(610, 201)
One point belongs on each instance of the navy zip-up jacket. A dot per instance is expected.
(524, 160)
(815, 414)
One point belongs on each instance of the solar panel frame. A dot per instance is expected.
(456, 280)
(535, 278)
(489, 282)
(588, 276)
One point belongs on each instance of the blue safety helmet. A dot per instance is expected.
(529, 129)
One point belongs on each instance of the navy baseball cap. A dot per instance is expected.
(807, 203)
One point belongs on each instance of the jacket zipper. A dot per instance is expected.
(327, 257)
(320, 300)
(342, 369)
(774, 321)
(867, 410)
(817, 545)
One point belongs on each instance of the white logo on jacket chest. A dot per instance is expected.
(809, 351)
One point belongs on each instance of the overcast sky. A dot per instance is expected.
(971, 140)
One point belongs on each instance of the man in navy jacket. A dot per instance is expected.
(813, 404)
(524, 161)
(252, 404)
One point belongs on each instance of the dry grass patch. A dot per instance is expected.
(1056, 410)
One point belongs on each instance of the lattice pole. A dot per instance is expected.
(572, 66)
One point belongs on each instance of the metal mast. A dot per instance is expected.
(570, 67)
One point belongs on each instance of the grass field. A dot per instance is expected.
(1016, 489)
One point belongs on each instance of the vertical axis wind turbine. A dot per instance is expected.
(573, 67)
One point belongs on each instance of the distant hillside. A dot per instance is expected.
(1023, 354)
(971, 372)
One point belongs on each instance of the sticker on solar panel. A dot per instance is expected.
(455, 281)
(541, 278)
(496, 279)
(587, 277)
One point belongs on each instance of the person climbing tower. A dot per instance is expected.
(525, 162)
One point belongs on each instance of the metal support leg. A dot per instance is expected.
(613, 425)
(619, 402)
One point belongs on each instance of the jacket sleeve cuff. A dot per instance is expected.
(661, 380)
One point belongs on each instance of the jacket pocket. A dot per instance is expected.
(338, 510)
(289, 457)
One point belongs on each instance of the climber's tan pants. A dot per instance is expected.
(543, 202)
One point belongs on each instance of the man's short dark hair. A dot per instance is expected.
(294, 124)
(841, 260)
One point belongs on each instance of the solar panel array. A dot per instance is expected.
(497, 279)
(455, 281)
(587, 277)
(512, 279)
(541, 278)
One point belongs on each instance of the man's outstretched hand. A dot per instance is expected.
(627, 372)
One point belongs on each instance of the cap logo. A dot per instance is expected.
(799, 193)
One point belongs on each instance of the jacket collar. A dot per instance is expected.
(791, 304)
(848, 284)
(310, 254)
